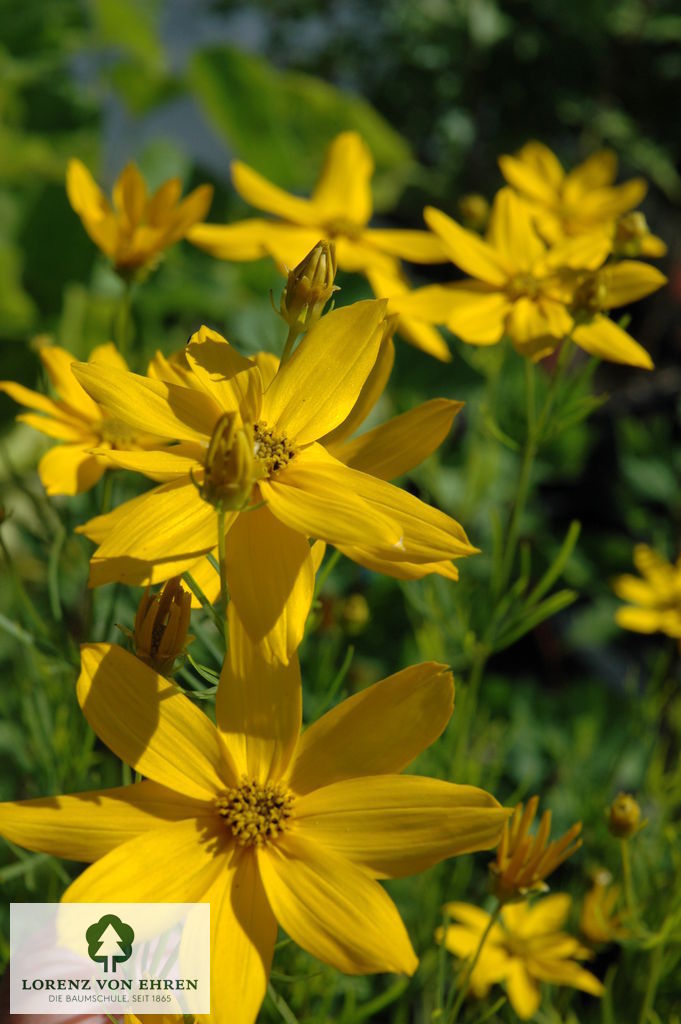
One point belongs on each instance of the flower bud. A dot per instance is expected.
(624, 816)
(474, 211)
(161, 626)
(309, 287)
(231, 468)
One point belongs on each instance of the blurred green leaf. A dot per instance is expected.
(281, 122)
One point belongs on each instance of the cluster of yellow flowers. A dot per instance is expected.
(256, 469)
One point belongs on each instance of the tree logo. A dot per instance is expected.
(109, 941)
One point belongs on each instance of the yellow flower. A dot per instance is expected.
(583, 200)
(654, 597)
(137, 227)
(523, 950)
(313, 482)
(73, 417)
(534, 294)
(599, 920)
(265, 824)
(339, 210)
(524, 861)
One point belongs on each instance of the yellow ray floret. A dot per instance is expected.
(654, 597)
(264, 824)
(525, 948)
(534, 294)
(77, 420)
(583, 200)
(339, 211)
(134, 228)
(306, 481)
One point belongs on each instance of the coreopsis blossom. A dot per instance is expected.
(135, 227)
(534, 294)
(264, 442)
(525, 948)
(524, 861)
(599, 920)
(76, 419)
(338, 210)
(264, 824)
(654, 597)
(583, 200)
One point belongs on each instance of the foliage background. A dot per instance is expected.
(577, 709)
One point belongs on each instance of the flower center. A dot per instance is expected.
(275, 450)
(343, 226)
(590, 296)
(116, 432)
(256, 812)
(522, 286)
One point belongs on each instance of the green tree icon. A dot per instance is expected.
(109, 941)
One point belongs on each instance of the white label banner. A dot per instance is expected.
(77, 958)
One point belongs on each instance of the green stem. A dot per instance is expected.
(22, 594)
(293, 333)
(122, 325)
(224, 593)
(470, 701)
(466, 976)
(627, 879)
(651, 987)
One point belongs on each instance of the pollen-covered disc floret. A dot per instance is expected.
(274, 450)
(256, 812)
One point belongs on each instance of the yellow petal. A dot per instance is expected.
(164, 199)
(149, 723)
(635, 590)
(639, 620)
(316, 389)
(271, 581)
(98, 528)
(288, 244)
(108, 355)
(70, 469)
(467, 250)
(372, 390)
(426, 534)
(151, 406)
(399, 570)
(165, 464)
(242, 241)
(603, 338)
(377, 731)
(31, 399)
(415, 246)
(258, 708)
(62, 429)
(58, 362)
(85, 826)
(523, 991)
(262, 194)
(314, 495)
(423, 337)
(130, 194)
(343, 189)
(597, 171)
(333, 909)
(193, 208)
(187, 857)
(243, 933)
(585, 252)
(527, 323)
(535, 171)
(477, 315)
(547, 914)
(154, 537)
(231, 380)
(92, 206)
(403, 442)
(629, 280)
(511, 231)
(396, 825)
